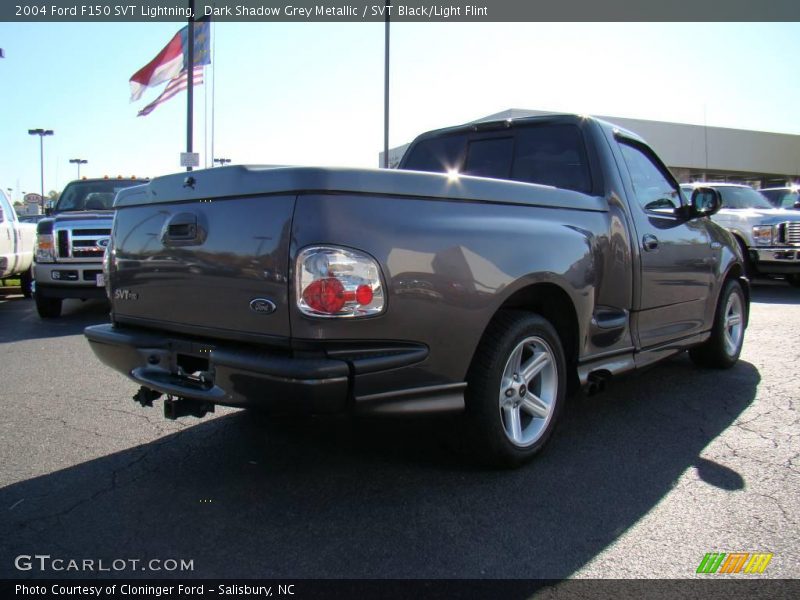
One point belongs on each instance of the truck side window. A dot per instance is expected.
(654, 190)
(490, 157)
(552, 155)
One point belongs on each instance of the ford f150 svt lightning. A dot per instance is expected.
(503, 263)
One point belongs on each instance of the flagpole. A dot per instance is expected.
(205, 121)
(386, 91)
(213, 84)
(190, 82)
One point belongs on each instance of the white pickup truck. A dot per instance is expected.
(769, 236)
(16, 246)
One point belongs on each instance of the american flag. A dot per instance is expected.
(176, 84)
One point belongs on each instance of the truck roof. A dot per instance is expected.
(522, 121)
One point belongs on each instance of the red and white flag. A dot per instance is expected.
(166, 65)
(175, 86)
(173, 59)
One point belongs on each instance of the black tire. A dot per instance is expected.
(487, 421)
(717, 352)
(26, 283)
(48, 308)
(794, 280)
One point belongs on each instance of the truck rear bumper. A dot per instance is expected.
(271, 380)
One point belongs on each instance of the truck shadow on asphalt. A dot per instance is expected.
(765, 291)
(245, 496)
(19, 321)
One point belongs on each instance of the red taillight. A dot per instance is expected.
(364, 295)
(338, 282)
(325, 295)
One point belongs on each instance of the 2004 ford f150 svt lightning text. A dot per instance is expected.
(501, 264)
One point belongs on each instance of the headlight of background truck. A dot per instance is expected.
(762, 235)
(45, 249)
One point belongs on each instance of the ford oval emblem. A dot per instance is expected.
(102, 243)
(262, 306)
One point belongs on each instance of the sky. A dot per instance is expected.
(312, 93)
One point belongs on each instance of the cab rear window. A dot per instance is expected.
(549, 154)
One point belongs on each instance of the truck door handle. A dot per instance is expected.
(649, 243)
(182, 229)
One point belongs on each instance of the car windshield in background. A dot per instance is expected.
(742, 197)
(92, 195)
(782, 198)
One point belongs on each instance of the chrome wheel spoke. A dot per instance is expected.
(535, 406)
(734, 320)
(534, 366)
(513, 424)
(513, 364)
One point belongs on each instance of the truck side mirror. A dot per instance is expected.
(48, 211)
(705, 202)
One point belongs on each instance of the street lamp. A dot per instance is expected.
(41, 133)
(221, 161)
(79, 162)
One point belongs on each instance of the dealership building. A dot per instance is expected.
(697, 152)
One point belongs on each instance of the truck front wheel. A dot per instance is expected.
(722, 349)
(48, 308)
(516, 389)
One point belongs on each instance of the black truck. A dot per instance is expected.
(500, 266)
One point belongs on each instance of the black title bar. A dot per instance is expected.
(400, 10)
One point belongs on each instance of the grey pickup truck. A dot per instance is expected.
(502, 265)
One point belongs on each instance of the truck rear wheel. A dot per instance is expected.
(516, 388)
(722, 349)
(26, 283)
(48, 308)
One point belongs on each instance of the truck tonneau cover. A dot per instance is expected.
(242, 181)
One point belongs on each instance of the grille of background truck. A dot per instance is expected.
(80, 244)
(791, 233)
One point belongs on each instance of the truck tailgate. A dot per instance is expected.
(214, 267)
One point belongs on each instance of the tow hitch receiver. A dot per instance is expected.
(175, 408)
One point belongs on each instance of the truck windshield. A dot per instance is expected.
(742, 197)
(92, 195)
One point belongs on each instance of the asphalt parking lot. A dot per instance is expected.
(640, 481)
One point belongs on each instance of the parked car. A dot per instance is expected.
(503, 263)
(769, 236)
(783, 197)
(16, 246)
(71, 241)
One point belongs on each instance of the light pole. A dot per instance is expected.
(41, 133)
(79, 162)
(221, 161)
(388, 9)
